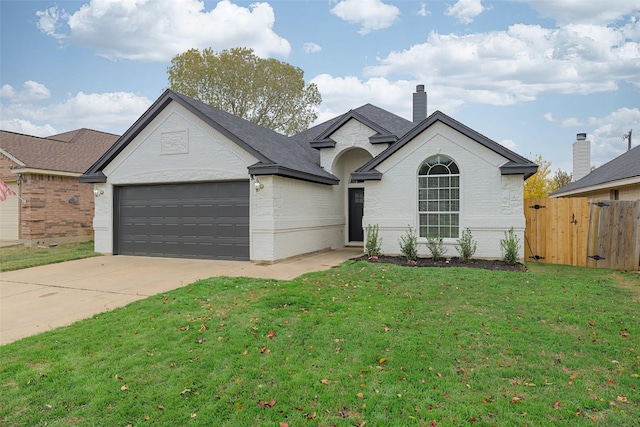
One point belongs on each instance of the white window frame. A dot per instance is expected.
(453, 224)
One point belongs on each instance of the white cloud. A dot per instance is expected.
(581, 11)
(516, 65)
(423, 10)
(110, 112)
(465, 10)
(369, 14)
(148, 30)
(571, 122)
(508, 143)
(27, 128)
(49, 21)
(312, 48)
(549, 117)
(31, 91)
(606, 139)
(340, 94)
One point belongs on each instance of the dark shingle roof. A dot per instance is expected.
(72, 151)
(515, 164)
(626, 165)
(275, 152)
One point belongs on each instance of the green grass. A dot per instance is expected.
(374, 343)
(18, 257)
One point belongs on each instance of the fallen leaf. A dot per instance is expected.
(203, 328)
(160, 406)
(324, 381)
(382, 360)
(516, 399)
(360, 395)
(284, 424)
(624, 333)
(433, 423)
(124, 388)
(622, 399)
(192, 415)
(556, 405)
(311, 416)
(265, 404)
(271, 334)
(473, 420)
(147, 417)
(592, 323)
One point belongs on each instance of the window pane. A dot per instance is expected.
(439, 195)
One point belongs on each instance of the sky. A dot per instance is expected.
(529, 74)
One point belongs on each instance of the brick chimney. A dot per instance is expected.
(581, 156)
(419, 104)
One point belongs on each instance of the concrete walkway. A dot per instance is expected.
(38, 299)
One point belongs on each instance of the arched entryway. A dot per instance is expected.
(352, 192)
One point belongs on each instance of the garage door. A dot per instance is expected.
(204, 220)
(9, 215)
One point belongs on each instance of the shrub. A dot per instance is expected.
(467, 246)
(436, 247)
(510, 245)
(372, 248)
(409, 245)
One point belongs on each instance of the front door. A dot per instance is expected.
(356, 211)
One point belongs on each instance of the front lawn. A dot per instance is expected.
(363, 343)
(18, 257)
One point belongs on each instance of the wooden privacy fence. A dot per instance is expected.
(583, 232)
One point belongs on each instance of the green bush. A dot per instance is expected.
(436, 247)
(372, 247)
(510, 245)
(467, 246)
(409, 245)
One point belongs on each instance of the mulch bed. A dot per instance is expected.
(486, 264)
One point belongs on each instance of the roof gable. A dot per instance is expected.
(515, 164)
(625, 166)
(277, 155)
(72, 151)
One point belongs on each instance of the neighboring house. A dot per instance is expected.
(190, 180)
(50, 205)
(618, 179)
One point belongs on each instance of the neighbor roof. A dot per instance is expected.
(275, 152)
(515, 163)
(72, 151)
(624, 167)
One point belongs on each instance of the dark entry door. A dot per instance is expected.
(356, 211)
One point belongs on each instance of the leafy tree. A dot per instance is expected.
(268, 92)
(560, 179)
(539, 184)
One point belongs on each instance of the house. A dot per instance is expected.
(618, 179)
(189, 180)
(50, 205)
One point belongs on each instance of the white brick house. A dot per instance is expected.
(189, 180)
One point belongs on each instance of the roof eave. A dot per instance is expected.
(371, 175)
(278, 170)
(602, 186)
(518, 169)
(93, 178)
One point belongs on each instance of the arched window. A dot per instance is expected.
(439, 198)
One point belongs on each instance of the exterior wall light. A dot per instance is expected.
(258, 185)
(97, 192)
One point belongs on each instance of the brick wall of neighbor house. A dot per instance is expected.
(291, 217)
(58, 209)
(490, 203)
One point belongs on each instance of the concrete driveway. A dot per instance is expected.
(38, 299)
